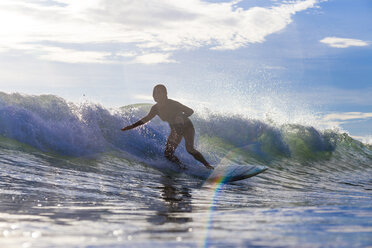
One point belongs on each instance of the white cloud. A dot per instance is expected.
(154, 58)
(72, 56)
(155, 28)
(337, 119)
(365, 139)
(143, 97)
(126, 54)
(343, 42)
(347, 116)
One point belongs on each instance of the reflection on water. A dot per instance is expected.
(176, 199)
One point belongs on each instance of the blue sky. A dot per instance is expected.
(284, 59)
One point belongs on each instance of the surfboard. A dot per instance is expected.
(222, 173)
(232, 173)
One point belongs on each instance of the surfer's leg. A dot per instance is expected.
(173, 141)
(189, 134)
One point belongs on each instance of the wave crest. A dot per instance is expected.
(51, 124)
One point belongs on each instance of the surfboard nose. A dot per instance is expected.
(231, 173)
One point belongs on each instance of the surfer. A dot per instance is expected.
(177, 116)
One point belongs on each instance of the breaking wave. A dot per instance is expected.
(52, 125)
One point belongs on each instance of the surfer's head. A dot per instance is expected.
(159, 93)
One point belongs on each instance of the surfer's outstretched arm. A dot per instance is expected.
(144, 120)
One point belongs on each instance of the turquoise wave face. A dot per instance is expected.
(51, 124)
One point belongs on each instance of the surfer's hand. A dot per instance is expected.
(125, 128)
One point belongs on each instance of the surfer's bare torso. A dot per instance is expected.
(173, 112)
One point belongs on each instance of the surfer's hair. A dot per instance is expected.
(161, 88)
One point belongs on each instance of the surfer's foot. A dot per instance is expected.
(209, 167)
(173, 159)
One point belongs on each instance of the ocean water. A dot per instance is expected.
(70, 178)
